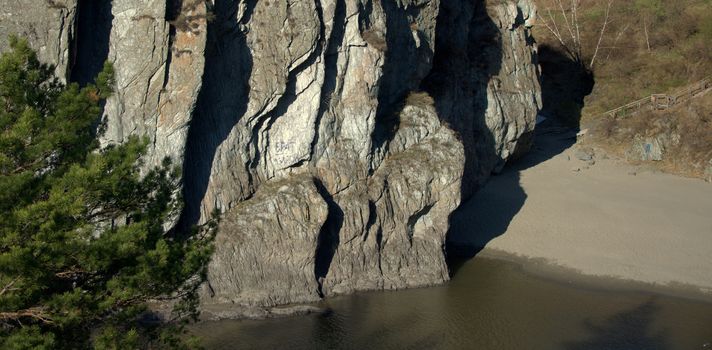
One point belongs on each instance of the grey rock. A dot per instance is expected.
(335, 136)
(485, 83)
(528, 11)
(158, 74)
(584, 154)
(392, 235)
(390, 163)
(266, 246)
(650, 148)
(48, 25)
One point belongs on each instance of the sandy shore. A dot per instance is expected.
(606, 219)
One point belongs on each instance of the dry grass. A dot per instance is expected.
(187, 23)
(651, 47)
(375, 39)
(680, 37)
(419, 99)
(688, 127)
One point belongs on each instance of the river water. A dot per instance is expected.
(489, 304)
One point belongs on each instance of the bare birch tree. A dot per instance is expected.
(561, 20)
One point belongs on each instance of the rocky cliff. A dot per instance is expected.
(335, 136)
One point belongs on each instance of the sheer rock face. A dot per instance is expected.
(486, 81)
(336, 136)
(158, 73)
(47, 25)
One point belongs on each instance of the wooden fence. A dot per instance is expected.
(658, 102)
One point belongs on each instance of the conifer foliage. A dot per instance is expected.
(83, 247)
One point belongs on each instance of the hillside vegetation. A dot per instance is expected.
(624, 51)
(681, 135)
(649, 46)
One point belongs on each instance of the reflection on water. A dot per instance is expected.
(625, 330)
(490, 304)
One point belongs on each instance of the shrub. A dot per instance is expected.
(375, 39)
(419, 99)
(82, 243)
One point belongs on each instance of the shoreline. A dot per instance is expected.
(599, 224)
(547, 270)
(561, 208)
(537, 268)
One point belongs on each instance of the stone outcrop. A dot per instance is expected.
(47, 24)
(650, 148)
(335, 136)
(158, 73)
(270, 269)
(486, 81)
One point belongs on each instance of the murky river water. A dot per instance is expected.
(490, 304)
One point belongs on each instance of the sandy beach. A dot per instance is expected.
(600, 217)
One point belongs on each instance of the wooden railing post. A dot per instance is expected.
(655, 100)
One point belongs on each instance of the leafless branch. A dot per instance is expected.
(553, 28)
(8, 287)
(645, 30)
(566, 19)
(574, 15)
(35, 313)
(574, 46)
(615, 41)
(606, 21)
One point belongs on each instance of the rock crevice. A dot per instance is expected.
(335, 136)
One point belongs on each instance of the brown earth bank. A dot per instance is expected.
(610, 54)
(677, 140)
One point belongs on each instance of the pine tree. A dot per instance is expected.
(82, 243)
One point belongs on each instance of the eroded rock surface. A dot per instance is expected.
(335, 136)
(158, 73)
(486, 81)
(269, 246)
(48, 25)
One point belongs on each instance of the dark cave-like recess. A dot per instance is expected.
(90, 44)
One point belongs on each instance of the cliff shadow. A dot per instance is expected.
(564, 85)
(467, 63)
(221, 103)
(90, 45)
(328, 239)
(490, 211)
(625, 330)
(469, 55)
(405, 66)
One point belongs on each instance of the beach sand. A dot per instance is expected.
(604, 219)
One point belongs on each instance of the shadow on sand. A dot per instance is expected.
(488, 213)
